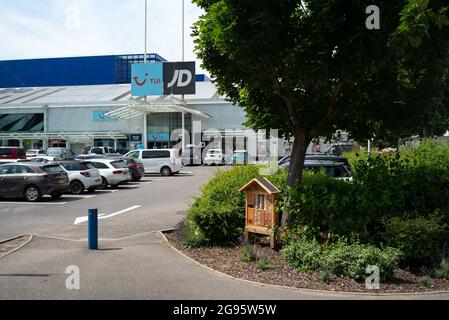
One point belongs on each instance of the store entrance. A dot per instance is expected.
(159, 145)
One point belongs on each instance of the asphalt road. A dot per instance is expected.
(156, 203)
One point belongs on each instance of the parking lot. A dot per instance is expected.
(154, 203)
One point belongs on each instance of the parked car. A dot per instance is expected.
(62, 153)
(164, 161)
(103, 151)
(285, 161)
(113, 172)
(338, 148)
(240, 157)
(32, 181)
(191, 156)
(136, 168)
(81, 177)
(11, 153)
(337, 167)
(214, 156)
(33, 153)
(331, 169)
(44, 159)
(83, 157)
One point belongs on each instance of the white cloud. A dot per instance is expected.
(104, 27)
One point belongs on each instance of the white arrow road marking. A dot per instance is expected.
(80, 220)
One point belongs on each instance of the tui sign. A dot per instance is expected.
(157, 79)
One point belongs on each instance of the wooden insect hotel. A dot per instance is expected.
(261, 217)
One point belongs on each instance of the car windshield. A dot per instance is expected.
(118, 164)
(53, 169)
(97, 151)
(54, 152)
(74, 166)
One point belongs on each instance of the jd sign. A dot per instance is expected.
(157, 79)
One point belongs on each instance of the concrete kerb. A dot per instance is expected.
(303, 290)
(30, 238)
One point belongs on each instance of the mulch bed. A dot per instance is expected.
(12, 244)
(228, 260)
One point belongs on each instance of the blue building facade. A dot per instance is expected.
(76, 71)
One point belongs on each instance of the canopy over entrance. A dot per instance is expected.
(165, 104)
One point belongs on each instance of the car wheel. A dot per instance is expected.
(56, 195)
(76, 187)
(32, 194)
(91, 190)
(104, 183)
(166, 172)
(115, 186)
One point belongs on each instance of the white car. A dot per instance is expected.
(81, 176)
(45, 159)
(113, 172)
(33, 153)
(214, 156)
(164, 161)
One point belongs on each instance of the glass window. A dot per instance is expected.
(4, 169)
(53, 169)
(118, 164)
(100, 165)
(20, 152)
(5, 152)
(75, 166)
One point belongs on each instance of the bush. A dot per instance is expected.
(425, 282)
(341, 258)
(324, 277)
(218, 214)
(262, 262)
(192, 235)
(248, 253)
(421, 240)
(442, 272)
(303, 255)
(415, 184)
(351, 260)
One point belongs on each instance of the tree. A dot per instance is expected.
(309, 68)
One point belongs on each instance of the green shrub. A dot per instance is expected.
(324, 277)
(351, 260)
(248, 253)
(303, 255)
(421, 240)
(192, 235)
(425, 282)
(263, 262)
(219, 212)
(442, 272)
(341, 258)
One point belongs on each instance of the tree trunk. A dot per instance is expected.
(299, 151)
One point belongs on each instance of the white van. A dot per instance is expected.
(164, 161)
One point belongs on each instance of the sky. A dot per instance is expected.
(66, 28)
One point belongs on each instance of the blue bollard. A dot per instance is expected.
(93, 229)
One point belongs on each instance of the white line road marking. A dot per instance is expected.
(73, 196)
(35, 203)
(80, 220)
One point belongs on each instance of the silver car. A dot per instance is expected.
(113, 172)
